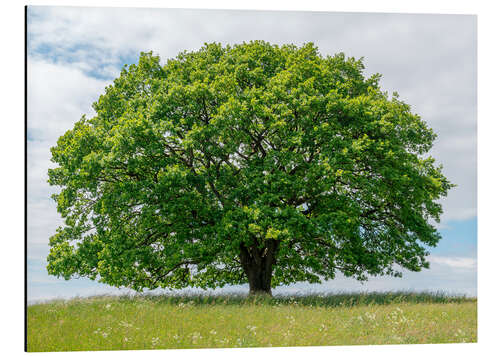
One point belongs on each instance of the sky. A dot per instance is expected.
(430, 60)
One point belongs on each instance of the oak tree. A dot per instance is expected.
(253, 163)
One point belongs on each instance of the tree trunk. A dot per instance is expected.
(258, 266)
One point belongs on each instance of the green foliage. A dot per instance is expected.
(293, 160)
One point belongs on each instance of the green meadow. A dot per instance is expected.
(221, 321)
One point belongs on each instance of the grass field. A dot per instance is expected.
(162, 322)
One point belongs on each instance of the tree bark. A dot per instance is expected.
(258, 265)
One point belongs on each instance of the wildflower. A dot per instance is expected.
(125, 324)
(176, 337)
(370, 316)
(105, 334)
(213, 332)
(155, 340)
(196, 336)
(108, 306)
(397, 338)
(224, 341)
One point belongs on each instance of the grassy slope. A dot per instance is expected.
(111, 323)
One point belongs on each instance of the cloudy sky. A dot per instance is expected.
(430, 60)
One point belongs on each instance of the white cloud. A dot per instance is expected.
(58, 95)
(454, 262)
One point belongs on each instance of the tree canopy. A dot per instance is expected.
(253, 163)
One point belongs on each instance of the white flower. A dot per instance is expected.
(370, 316)
(459, 333)
(196, 336)
(125, 324)
(155, 340)
(397, 338)
(213, 332)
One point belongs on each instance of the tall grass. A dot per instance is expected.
(201, 321)
(324, 300)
